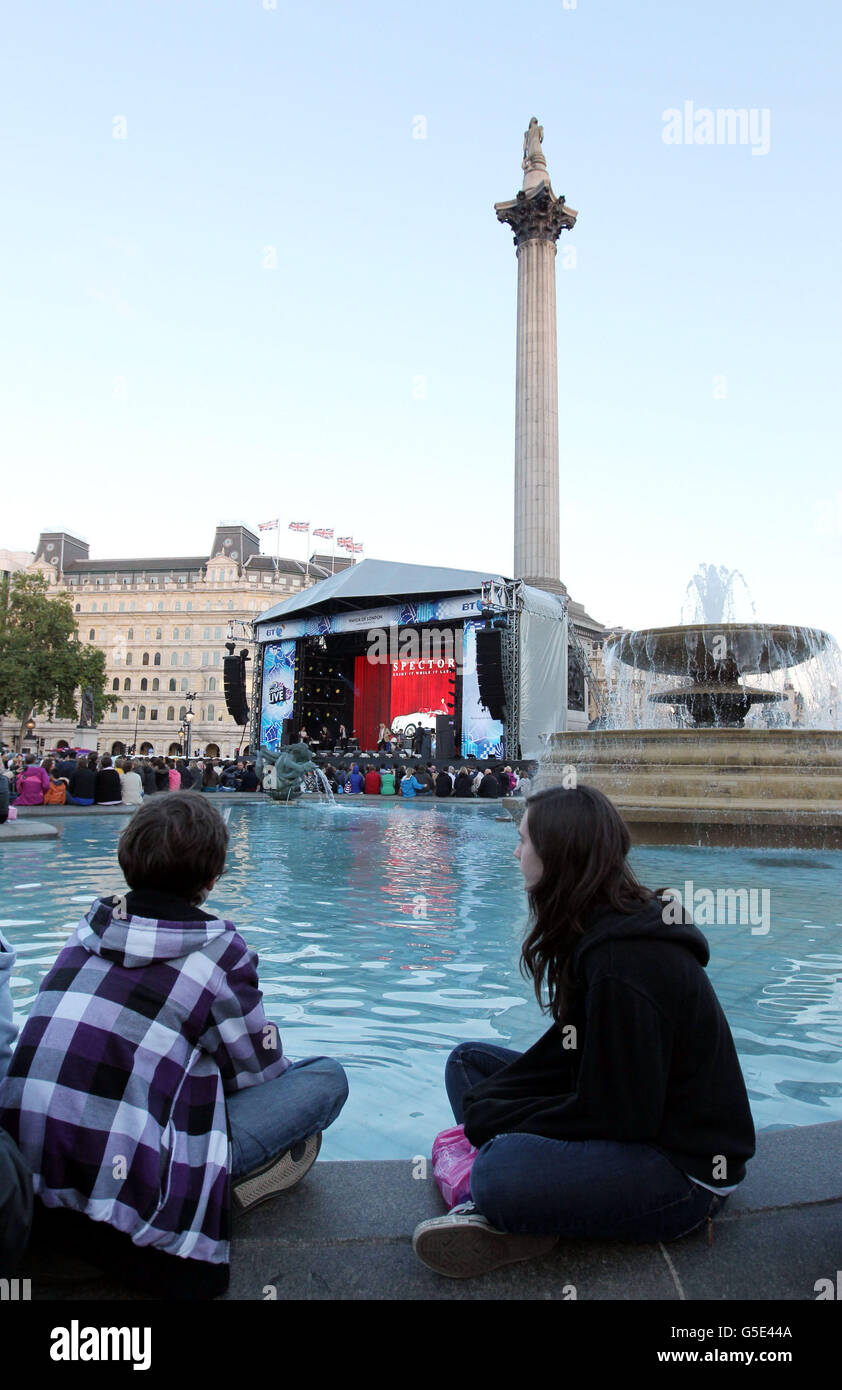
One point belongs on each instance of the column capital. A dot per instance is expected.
(539, 215)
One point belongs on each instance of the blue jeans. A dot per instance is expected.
(268, 1119)
(600, 1189)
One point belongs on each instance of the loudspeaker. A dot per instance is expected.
(445, 742)
(234, 674)
(492, 692)
(286, 733)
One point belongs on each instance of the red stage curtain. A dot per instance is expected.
(420, 685)
(371, 699)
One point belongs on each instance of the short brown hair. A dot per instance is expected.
(175, 844)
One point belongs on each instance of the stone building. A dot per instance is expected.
(163, 624)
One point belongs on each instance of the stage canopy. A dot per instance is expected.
(374, 580)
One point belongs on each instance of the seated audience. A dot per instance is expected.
(107, 789)
(372, 782)
(32, 784)
(83, 781)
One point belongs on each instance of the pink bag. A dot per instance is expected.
(13, 813)
(453, 1159)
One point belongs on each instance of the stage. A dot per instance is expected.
(478, 660)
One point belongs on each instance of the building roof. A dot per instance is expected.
(375, 580)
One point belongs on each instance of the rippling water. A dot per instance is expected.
(388, 933)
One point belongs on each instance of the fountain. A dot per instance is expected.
(720, 730)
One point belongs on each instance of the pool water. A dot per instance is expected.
(388, 933)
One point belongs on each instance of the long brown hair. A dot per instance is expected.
(582, 842)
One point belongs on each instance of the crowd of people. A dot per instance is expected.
(381, 778)
(97, 779)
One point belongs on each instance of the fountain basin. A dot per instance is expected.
(719, 786)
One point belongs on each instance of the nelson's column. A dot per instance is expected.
(537, 218)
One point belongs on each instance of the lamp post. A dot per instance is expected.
(188, 720)
(134, 743)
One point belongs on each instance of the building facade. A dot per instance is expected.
(163, 624)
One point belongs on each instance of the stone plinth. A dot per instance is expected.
(714, 786)
(86, 738)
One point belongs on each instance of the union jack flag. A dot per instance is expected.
(267, 525)
(299, 526)
(345, 541)
(326, 535)
(357, 546)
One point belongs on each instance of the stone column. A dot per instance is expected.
(537, 218)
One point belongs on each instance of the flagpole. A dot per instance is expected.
(278, 554)
(333, 551)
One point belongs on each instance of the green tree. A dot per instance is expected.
(42, 662)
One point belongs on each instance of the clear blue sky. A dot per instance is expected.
(253, 392)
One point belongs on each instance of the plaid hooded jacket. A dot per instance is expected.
(116, 1091)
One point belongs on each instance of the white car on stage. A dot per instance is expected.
(421, 719)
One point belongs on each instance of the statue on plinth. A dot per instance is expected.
(87, 718)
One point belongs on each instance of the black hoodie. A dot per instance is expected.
(653, 1062)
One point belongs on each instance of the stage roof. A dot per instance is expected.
(371, 581)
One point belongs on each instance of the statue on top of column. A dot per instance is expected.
(532, 139)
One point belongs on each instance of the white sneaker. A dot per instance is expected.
(463, 1244)
(278, 1176)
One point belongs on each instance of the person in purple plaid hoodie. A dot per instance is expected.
(148, 1092)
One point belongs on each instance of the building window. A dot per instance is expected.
(127, 685)
(217, 632)
(153, 713)
(121, 607)
(92, 636)
(131, 634)
(161, 606)
(172, 683)
(78, 608)
(93, 607)
(131, 606)
(205, 658)
(156, 661)
(124, 713)
(144, 684)
(178, 605)
(156, 684)
(149, 606)
(189, 605)
(212, 683)
(182, 711)
(206, 634)
(175, 634)
(185, 658)
(170, 712)
(210, 711)
(141, 714)
(216, 658)
(184, 683)
(115, 684)
(187, 632)
(174, 659)
(144, 661)
(230, 604)
(147, 633)
(129, 658)
(105, 608)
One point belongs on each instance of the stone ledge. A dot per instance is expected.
(346, 1233)
(17, 832)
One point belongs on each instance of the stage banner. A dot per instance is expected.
(422, 687)
(482, 736)
(392, 615)
(277, 695)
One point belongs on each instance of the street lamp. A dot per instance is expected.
(134, 744)
(188, 720)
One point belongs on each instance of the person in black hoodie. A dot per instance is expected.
(464, 784)
(107, 790)
(629, 1119)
